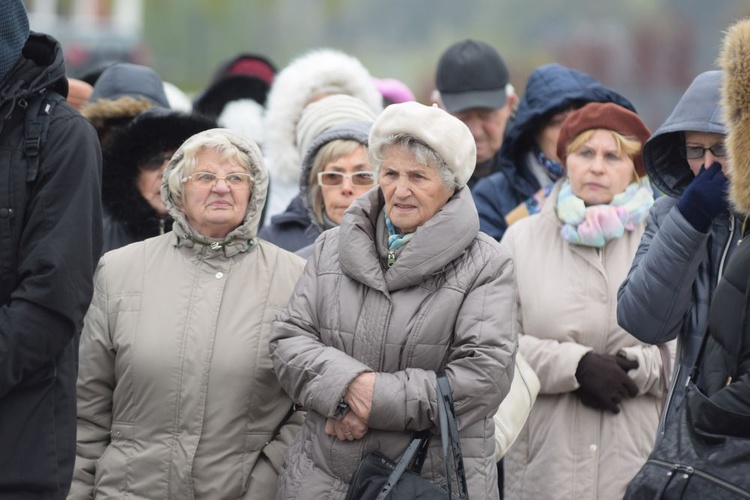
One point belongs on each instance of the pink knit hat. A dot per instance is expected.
(393, 91)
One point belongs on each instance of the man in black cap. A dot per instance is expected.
(50, 239)
(472, 85)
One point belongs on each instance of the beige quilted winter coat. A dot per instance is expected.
(176, 393)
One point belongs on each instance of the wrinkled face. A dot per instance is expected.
(695, 140)
(150, 175)
(597, 171)
(487, 126)
(413, 192)
(337, 197)
(214, 209)
(546, 138)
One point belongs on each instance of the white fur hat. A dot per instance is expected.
(438, 129)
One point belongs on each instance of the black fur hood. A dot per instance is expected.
(151, 133)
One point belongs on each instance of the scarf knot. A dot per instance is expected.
(594, 225)
(396, 239)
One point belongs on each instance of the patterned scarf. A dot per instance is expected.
(553, 168)
(395, 239)
(593, 226)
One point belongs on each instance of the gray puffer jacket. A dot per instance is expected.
(676, 268)
(447, 303)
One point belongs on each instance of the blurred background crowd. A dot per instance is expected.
(649, 50)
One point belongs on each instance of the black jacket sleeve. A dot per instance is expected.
(58, 246)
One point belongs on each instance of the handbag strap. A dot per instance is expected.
(416, 450)
(450, 438)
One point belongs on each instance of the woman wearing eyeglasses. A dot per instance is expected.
(690, 233)
(176, 393)
(335, 172)
(332, 138)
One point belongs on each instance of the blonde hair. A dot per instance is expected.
(624, 144)
(331, 151)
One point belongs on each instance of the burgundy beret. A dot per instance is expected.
(608, 116)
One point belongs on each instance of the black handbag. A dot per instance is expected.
(378, 478)
(688, 463)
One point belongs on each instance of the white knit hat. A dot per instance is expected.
(323, 114)
(438, 129)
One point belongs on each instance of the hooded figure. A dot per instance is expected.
(668, 290)
(725, 368)
(121, 93)
(133, 165)
(315, 74)
(176, 394)
(551, 89)
(50, 241)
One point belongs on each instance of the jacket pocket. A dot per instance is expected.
(111, 468)
(254, 444)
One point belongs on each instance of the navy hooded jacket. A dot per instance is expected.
(550, 89)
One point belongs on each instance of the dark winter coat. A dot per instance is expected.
(50, 241)
(726, 366)
(292, 229)
(668, 290)
(551, 88)
(128, 217)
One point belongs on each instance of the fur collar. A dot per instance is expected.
(735, 60)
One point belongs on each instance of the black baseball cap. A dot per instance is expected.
(471, 74)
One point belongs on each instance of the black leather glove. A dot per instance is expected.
(604, 381)
(705, 197)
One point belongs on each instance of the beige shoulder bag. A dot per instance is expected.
(515, 408)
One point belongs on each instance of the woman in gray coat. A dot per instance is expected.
(407, 286)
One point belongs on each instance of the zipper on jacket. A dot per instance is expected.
(391, 259)
(689, 471)
(670, 396)
(726, 248)
(162, 225)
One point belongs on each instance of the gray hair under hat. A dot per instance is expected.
(445, 134)
(329, 111)
(14, 31)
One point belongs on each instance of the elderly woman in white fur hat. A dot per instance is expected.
(406, 287)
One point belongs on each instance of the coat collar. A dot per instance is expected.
(435, 244)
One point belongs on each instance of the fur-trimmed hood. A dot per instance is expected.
(242, 237)
(735, 94)
(318, 71)
(107, 113)
(151, 133)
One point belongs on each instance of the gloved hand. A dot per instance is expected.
(604, 381)
(705, 197)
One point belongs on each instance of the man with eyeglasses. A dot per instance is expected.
(690, 234)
